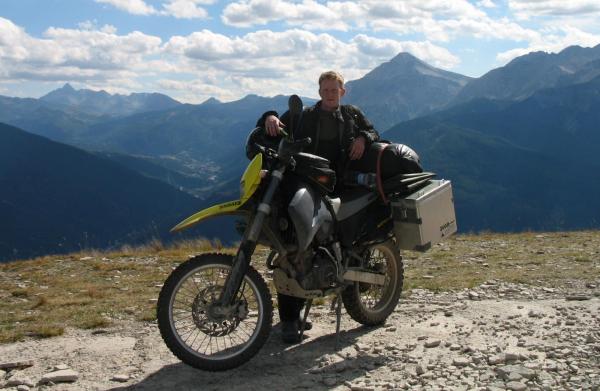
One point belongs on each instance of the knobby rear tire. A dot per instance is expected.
(167, 318)
(353, 296)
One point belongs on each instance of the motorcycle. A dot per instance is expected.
(215, 310)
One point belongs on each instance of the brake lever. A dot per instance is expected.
(262, 149)
(266, 151)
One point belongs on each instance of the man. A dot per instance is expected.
(339, 133)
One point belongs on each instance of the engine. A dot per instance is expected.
(322, 274)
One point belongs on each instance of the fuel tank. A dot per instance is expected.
(310, 216)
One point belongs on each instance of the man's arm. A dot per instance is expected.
(366, 134)
(271, 122)
(365, 127)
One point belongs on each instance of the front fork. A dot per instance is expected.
(251, 236)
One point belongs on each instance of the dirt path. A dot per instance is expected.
(497, 336)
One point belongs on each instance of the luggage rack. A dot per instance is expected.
(404, 184)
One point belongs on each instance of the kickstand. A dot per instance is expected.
(332, 305)
(303, 323)
(338, 317)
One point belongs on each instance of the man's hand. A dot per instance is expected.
(357, 148)
(272, 125)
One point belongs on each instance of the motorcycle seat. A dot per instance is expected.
(405, 184)
(354, 200)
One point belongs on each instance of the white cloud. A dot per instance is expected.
(486, 28)
(74, 54)
(100, 49)
(308, 14)
(136, 7)
(254, 12)
(486, 4)
(11, 36)
(445, 22)
(186, 9)
(526, 9)
(208, 46)
(436, 19)
(181, 9)
(88, 25)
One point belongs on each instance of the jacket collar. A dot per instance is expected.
(337, 113)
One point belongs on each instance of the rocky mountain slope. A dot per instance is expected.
(56, 198)
(529, 73)
(401, 89)
(479, 312)
(528, 159)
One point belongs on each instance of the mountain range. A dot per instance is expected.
(508, 173)
(102, 103)
(525, 75)
(518, 142)
(402, 89)
(57, 198)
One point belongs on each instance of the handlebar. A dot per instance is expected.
(288, 148)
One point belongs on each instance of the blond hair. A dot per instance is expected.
(331, 75)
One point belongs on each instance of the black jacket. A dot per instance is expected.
(353, 122)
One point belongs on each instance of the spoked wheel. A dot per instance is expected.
(371, 304)
(203, 334)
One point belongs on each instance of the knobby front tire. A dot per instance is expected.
(196, 338)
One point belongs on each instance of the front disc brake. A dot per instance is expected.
(206, 318)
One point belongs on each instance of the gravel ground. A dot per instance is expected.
(497, 336)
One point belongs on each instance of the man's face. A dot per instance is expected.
(331, 92)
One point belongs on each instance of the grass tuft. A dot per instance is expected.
(95, 293)
(94, 321)
(46, 331)
(41, 301)
(149, 315)
(20, 292)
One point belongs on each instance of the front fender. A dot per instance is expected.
(224, 209)
(248, 185)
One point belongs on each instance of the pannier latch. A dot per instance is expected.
(403, 213)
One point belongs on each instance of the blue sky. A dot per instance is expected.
(196, 49)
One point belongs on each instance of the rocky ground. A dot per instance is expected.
(497, 336)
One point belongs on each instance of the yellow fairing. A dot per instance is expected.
(248, 185)
(251, 178)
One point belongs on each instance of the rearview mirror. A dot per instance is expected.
(295, 109)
